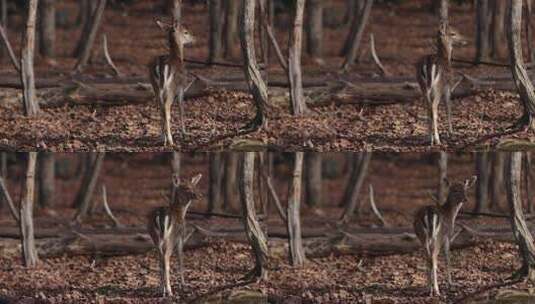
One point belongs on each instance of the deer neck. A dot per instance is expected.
(449, 211)
(176, 51)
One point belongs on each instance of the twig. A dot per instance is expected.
(10, 52)
(108, 57)
(275, 197)
(12, 209)
(375, 57)
(116, 222)
(374, 208)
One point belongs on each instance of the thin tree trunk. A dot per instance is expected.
(357, 179)
(86, 191)
(3, 21)
(231, 191)
(3, 174)
(231, 33)
(498, 29)
(518, 221)
(357, 33)
(216, 35)
(497, 182)
(443, 175)
(523, 83)
(89, 40)
(295, 241)
(354, 13)
(295, 77)
(257, 86)
(47, 29)
(216, 176)
(29, 252)
(482, 183)
(352, 165)
(529, 31)
(255, 235)
(315, 29)
(482, 31)
(31, 106)
(86, 10)
(313, 179)
(527, 181)
(46, 175)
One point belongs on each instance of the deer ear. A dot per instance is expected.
(195, 180)
(469, 183)
(162, 25)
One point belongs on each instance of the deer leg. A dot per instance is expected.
(162, 124)
(167, 113)
(430, 122)
(447, 258)
(434, 262)
(434, 109)
(181, 109)
(447, 100)
(167, 271)
(162, 272)
(180, 253)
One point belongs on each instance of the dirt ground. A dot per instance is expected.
(403, 34)
(136, 183)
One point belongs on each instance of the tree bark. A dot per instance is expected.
(231, 191)
(482, 183)
(443, 175)
(215, 201)
(295, 76)
(46, 176)
(356, 180)
(523, 83)
(89, 40)
(295, 241)
(257, 86)
(497, 181)
(231, 33)
(527, 181)
(357, 31)
(3, 174)
(87, 189)
(31, 106)
(482, 31)
(29, 251)
(254, 232)
(315, 29)
(352, 20)
(47, 28)
(313, 179)
(3, 21)
(216, 36)
(518, 222)
(498, 29)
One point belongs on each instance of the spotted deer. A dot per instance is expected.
(434, 227)
(167, 228)
(168, 76)
(434, 75)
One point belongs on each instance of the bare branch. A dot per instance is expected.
(108, 57)
(9, 49)
(116, 222)
(374, 208)
(10, 204)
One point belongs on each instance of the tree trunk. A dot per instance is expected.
(356, 180)
(352, 164)
(216, 175)
(313, 179)
(482, 183)
(87, 189)
(3, 22)
(31, 106)
(498, 29)
(352, 19)
(295, 76)
(216, 37)
(255, 235)
(315, 29)
(523, 83)
(443, 175)
(357, 30)
(231, 33)
(482, 31)
(527, 181)
(89, 40)
(518, 222)
(295, 241)
(231, 191)
(529, 31)
(497, 182)
(256, 84)
(3, 174)
(46, 175)
(86, 10)
(29, 251)
(47, 29)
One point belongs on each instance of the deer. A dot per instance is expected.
(434, 74)
(434, 226)
(168, 76)
(167, 228)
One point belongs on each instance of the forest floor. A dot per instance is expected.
(136, 183)
(403, 33)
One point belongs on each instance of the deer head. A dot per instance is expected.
(186, 191)
(447, 38)
(177, 34)
(457, 192)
